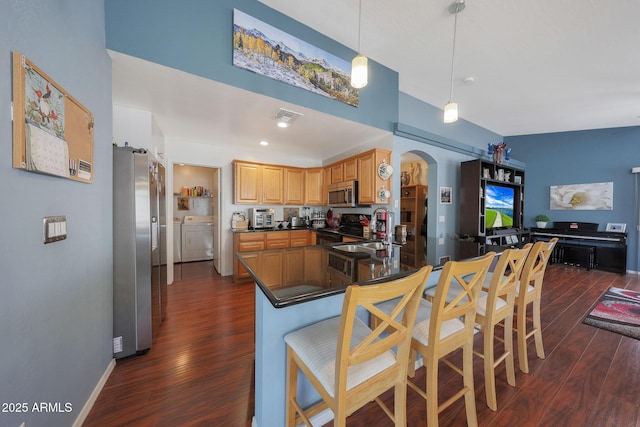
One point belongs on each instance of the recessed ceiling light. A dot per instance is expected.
(283, 124)
(264, 143)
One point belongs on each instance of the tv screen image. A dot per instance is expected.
(499, 206)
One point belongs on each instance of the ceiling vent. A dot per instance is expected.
(286, 117)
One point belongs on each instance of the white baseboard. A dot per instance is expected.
(84, 413)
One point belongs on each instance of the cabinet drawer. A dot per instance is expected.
(251, 237)
(299, 241)
(250, 246)
(277, 235)
(277, 244)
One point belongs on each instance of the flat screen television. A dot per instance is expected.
(499, 206)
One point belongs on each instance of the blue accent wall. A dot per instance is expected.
(195, 36)
(56, 303)
(581, 157)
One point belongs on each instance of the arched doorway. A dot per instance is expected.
(418, 174)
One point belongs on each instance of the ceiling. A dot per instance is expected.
(537, 66)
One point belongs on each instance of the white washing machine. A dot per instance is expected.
(197, 238)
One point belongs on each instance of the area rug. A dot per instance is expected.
(618, 311)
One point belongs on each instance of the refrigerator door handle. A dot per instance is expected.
(154, 233)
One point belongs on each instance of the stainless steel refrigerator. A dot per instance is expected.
(139, 275)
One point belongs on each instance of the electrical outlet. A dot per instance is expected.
(441, 241)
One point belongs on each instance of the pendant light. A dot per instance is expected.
(451, 109)
(359, 64)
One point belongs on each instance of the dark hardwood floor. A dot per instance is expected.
(200, 369)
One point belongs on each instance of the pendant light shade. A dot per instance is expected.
(359, 71)
(451, 112)
(359, 64)
(451, 109)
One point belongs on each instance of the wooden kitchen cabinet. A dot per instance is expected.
(300, 238)
(350, 169)
(272, 185)
(337, 173)
(246, 242)
(247, 182)
(314, 187)
(293, 268)
(314, 266)
(271, 267)
(277, 239)
(255, 183)
(294, 186)
(369, 182)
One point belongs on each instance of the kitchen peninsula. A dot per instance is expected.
(296, 287)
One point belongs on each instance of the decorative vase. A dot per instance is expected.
(541, 224)
(404, 178)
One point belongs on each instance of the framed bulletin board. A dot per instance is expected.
(52, 131)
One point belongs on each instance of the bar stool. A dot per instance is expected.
(495, 307)
(350, 364)
(529, 291)
(445, 326)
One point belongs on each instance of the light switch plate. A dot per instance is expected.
(55, 228)
(441, 218)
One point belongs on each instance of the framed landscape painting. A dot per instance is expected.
(266, 50)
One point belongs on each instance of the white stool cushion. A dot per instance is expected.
(423, 320)
(529, 288)
(316, 345)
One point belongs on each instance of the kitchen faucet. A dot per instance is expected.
(388, 224)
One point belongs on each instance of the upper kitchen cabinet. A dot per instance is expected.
(337, 172)
(272, 185)
(294, 186)
(350, 169)
(314, 187)
(370, 183)
(255, 183)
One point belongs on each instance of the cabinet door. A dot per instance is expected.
(272, 185)
(271, 267)
(314, 267)
(247, 183)
(366, 178)
(293, 267)
(254, 262)
(350, 169)
(293, 186)
(337, 173)
(326, 180)
(313, 187)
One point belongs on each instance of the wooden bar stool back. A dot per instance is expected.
(529, 291)
(445, 326)
(495, 307)
(350, 364)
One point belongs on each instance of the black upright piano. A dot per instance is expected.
(581, 244)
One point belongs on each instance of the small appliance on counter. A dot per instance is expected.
(239, 221)
(260, 218)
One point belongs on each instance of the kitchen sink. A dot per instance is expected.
(362, 247)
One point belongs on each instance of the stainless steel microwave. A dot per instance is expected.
(344, 194)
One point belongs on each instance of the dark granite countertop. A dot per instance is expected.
(295, 275)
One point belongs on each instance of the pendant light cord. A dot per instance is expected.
(359, 23)
(453, 54)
